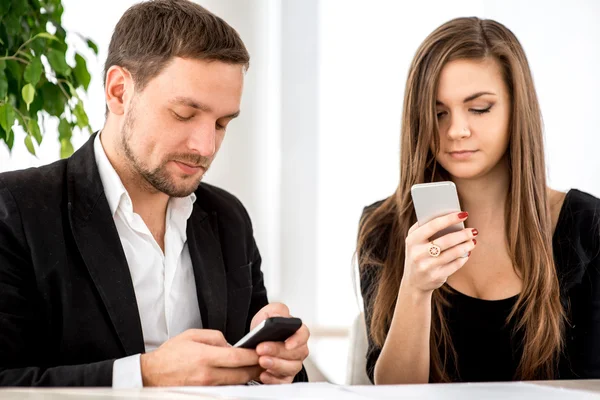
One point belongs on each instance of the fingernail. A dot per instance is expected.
(267, 363)
(474, 241)
(276, 315)
(290, 345)
(266, 349)
(475, 232)
(463, 215)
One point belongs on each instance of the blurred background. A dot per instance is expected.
(318, 137)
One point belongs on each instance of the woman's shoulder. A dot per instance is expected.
(580, 212)
(577, 236)
(374, 231)
(582, 200)
(367, 210)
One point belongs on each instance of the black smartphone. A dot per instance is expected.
(275, 329)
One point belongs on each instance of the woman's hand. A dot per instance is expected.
(425, 272)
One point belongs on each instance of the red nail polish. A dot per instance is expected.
(475, 232)
(474, 241)
(463, 215)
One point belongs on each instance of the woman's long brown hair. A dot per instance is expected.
(538, 313)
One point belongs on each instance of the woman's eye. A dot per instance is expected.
(481, 110)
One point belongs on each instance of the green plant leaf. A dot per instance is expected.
(92, 46)
(54, 99)
(2, 62)
(81, 72)
(72, 90)
(10, 139)
(11, 24)
(45, 35)
(57, 61)
(19, 7)
(4, 6)
(28, 93)
(7, 117)
(15, 69)
(80, 114)
(59, 44)
(65, 130)
(29, 144)
(3, 85)
(34, 129)
(66, 148)
(33, 71)
(38, 103)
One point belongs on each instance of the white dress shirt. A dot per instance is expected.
(165, 289)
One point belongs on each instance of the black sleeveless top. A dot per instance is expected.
(487, 349)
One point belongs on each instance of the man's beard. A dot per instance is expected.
(159, 177)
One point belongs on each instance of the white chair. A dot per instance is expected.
(356, 372)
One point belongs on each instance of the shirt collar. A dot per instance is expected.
(113, 186)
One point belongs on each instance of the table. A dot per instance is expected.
(548, 390)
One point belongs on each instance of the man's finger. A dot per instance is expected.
(279, 350)
(238, 376)
(232, 357)
(279, 367)
(298, 339)
(269, 379)
(206, 336)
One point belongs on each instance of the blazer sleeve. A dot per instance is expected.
(23, 325)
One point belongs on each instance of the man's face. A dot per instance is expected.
(173, 129)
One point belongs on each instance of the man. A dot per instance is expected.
(117, 267)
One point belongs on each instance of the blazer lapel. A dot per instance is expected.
(100, 247)
(209, 269)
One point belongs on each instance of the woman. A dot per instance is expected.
(525, 303)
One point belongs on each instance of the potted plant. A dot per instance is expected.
(36, 79)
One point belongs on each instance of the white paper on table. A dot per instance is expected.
(317, 390)
(472, 391)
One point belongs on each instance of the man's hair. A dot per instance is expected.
(151, 33)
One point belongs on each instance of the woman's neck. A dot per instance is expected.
(485, 198)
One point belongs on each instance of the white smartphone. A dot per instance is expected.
(436, 199)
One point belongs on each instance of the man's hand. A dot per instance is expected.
(282, 361)
(199, 357)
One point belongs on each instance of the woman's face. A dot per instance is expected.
(473, 111)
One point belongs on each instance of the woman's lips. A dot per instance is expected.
(462, 154)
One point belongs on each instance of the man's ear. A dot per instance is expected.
(118, 89)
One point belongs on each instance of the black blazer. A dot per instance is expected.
(67, 302)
